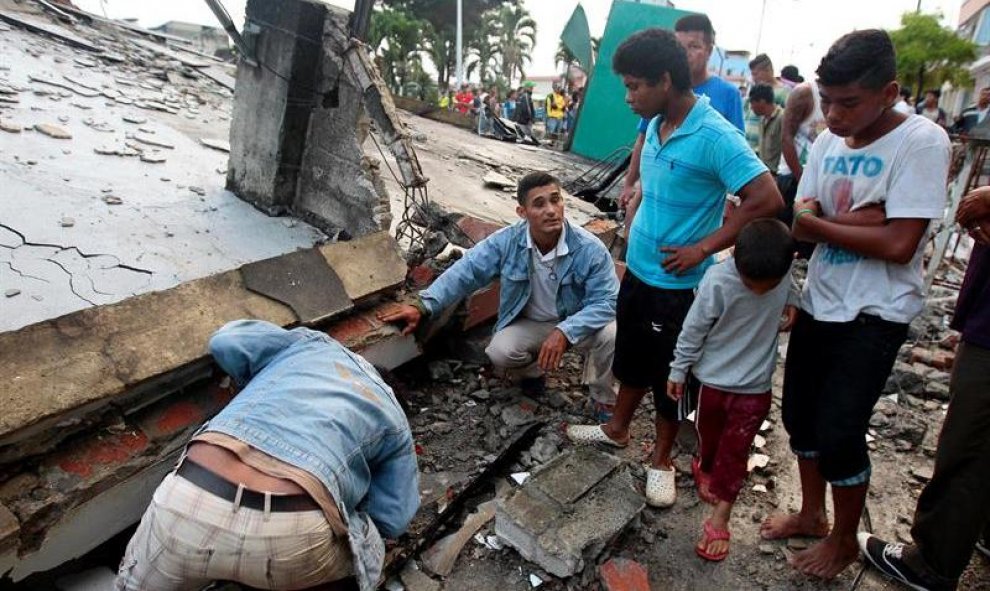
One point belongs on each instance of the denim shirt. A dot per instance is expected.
(588, 284)
(313, 404)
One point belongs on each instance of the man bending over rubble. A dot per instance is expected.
(290, 484)
(558, 290)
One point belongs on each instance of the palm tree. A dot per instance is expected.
(517, 37)
(439, 46)
(394, 35)
(483, 47)
(564, 56)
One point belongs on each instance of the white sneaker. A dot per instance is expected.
(661, 487)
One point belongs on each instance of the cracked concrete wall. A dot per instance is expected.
(296, 130)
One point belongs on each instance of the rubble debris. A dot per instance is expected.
(145, 138)
(221, 145)
(519, 478)
(98, 125)
(13, 291)
(440, 558)
(535, 581)
(67, 222)
(53, 131)
(416, 580)
(116, 151)
(47, 28)
(9, 127)
(134, 119)
(112, 200)
(86, 92)
(498, 181)
(922, 475)
(153, 158)
(569, 510)
(622, 574)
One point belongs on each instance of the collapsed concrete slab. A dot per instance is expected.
(60, 371)
(569, 510)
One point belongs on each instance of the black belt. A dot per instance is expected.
(252, 499)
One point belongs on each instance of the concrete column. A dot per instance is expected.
(272, 102)
(295, 134)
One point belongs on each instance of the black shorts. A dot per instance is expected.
(648, 321)
(833, 377)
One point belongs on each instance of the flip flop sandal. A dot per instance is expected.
(701, 482)
(591, 434)
(712, 535)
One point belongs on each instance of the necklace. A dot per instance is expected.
(552, 265)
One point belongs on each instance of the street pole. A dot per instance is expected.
(759, 34)
(460, 41)
(921, 69)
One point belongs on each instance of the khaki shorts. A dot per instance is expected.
(189, 537)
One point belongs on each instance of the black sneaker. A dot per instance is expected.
(533, 387)
(886, 557)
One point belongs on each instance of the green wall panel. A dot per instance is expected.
(606, 123)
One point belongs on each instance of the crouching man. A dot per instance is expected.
(292, 484)
(558, 290)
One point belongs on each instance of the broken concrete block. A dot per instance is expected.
(9, 127)
(569, 510)
(416, 580)
(499, 181)
(440, 558)
(10, 529)
(53, 131)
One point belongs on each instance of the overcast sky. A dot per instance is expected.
(794, 31)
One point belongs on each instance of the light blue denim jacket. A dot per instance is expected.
(588, 284)
(313, 404)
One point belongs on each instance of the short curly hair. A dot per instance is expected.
(649, 54)
(864, 57)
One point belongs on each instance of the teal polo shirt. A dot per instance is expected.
(684, 184)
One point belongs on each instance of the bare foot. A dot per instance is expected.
(793, 525)
(827, 558)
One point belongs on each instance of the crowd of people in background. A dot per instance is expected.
(485, 105)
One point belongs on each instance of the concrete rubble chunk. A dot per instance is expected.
(440, 558)
(499, 181)
(569, 510)
(53, 131)
(153, 141)
(10, 529)
(153, 158)
(9, 127)
(416, 580)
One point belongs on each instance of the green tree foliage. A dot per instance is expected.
(395, 36)
(483, 49)
(517, 38)
(439, 40)
(924, 44)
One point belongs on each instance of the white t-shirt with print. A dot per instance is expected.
(905, 170)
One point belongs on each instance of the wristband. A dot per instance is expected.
(802, 212)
